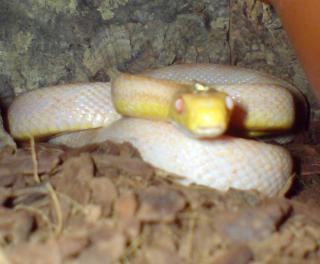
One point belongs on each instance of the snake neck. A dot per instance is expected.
(197, 108)
(150, 99)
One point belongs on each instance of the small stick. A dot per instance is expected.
(56, 204)
(34, 160)
(51, 192)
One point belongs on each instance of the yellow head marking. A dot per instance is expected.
(198, 87)
(201, 111)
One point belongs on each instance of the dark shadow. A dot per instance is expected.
(296, 186)
(238, 117)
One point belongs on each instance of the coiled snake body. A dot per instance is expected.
(266, 104)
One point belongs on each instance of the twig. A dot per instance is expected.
(57, 207)
(34, 160)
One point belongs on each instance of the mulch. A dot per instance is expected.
(104, 204)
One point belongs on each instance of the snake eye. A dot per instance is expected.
(229, 103)
(179, 105)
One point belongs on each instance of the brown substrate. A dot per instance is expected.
(103, 204)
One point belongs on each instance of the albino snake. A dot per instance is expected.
(265, 104)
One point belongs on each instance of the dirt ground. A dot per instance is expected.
(103, 204)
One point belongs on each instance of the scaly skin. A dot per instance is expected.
(264, 103)
(221, 163)
(202, 112)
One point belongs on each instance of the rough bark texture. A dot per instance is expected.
(58, 41)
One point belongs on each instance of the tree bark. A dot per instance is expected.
(60, 41)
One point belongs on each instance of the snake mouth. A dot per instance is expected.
(209, 131)
(201, 132)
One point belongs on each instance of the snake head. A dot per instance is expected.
(204, 114)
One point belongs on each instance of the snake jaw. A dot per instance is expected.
(200, 133)
(209, 132)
